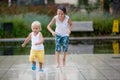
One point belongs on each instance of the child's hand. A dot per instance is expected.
(69, 32)
(23, 45)
(53, 33)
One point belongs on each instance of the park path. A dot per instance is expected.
(78, 67)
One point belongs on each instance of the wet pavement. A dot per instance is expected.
(78, 67)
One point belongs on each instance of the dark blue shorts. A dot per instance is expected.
(61, 43)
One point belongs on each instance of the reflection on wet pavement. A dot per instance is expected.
(78, 67)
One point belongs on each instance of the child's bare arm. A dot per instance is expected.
(26, 40)
(71, 26)
(50, 25)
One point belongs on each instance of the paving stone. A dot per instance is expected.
(78, 67)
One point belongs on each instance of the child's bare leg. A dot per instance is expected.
(64, 58)
(40, 65)
(33, 65)
(57, 58)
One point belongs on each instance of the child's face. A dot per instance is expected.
(35, 29)
(60, 13)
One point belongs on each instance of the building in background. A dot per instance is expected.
(38, 2)
(69, 2)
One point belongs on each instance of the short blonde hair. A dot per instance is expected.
(36, 23)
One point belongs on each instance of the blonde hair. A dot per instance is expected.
(36, 23)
